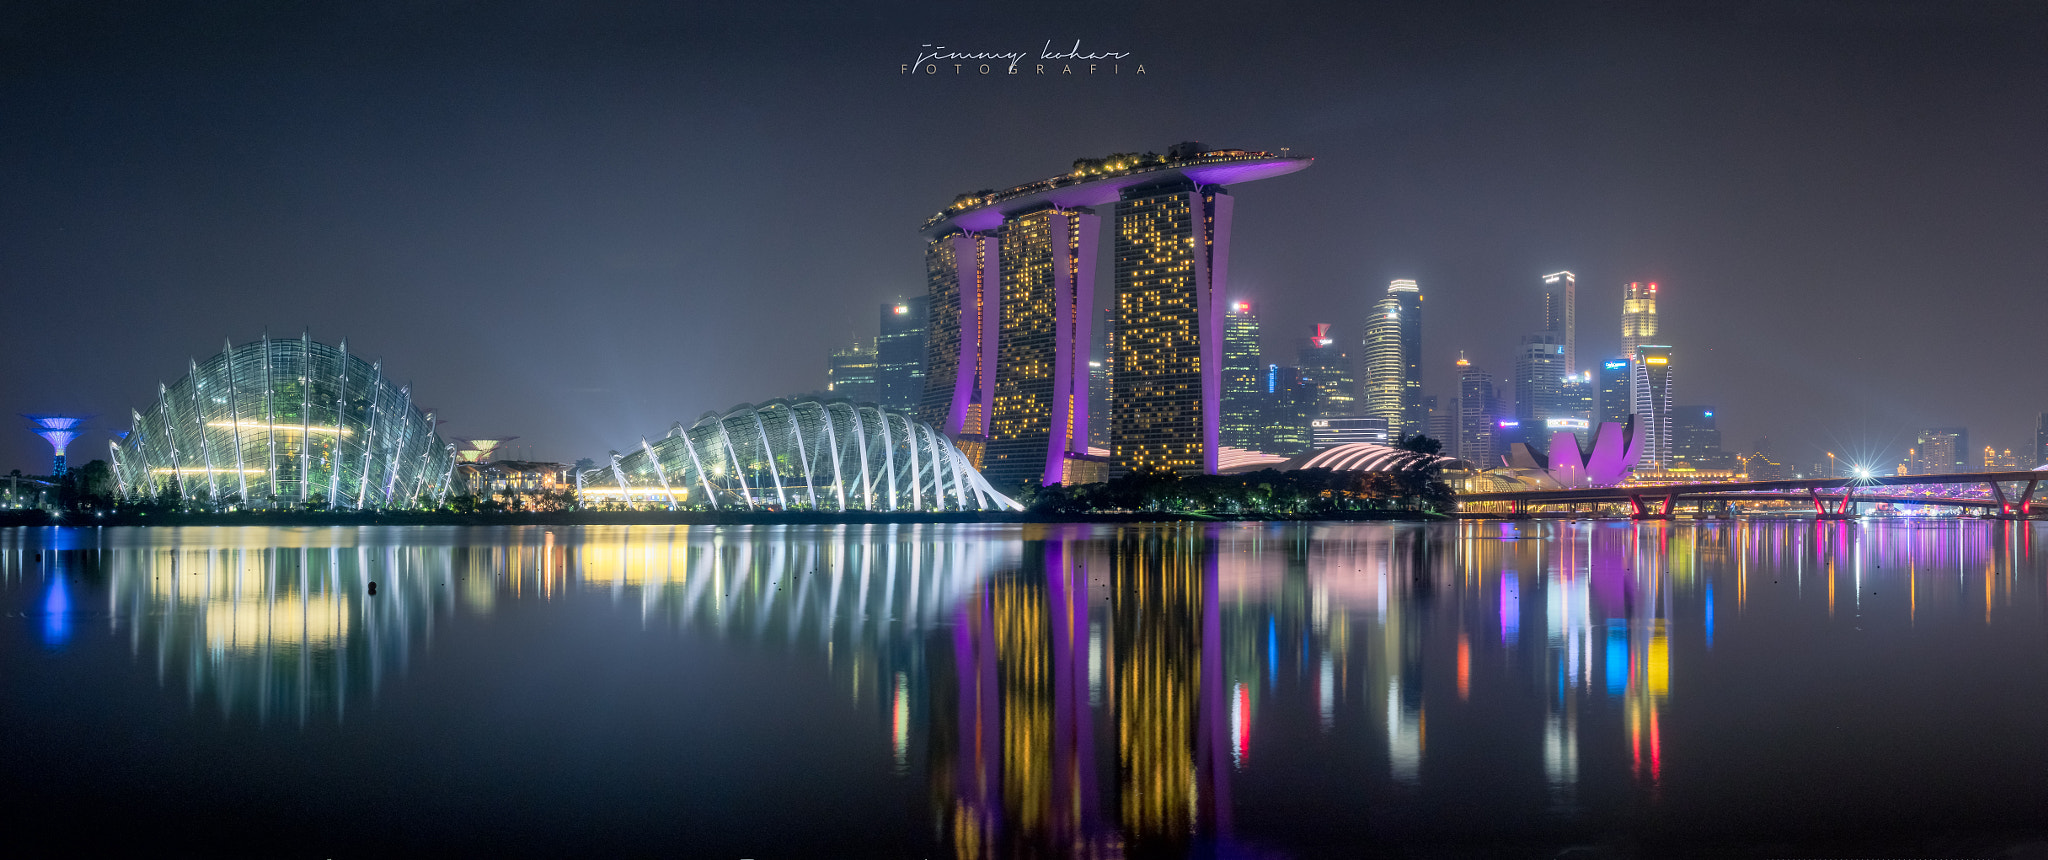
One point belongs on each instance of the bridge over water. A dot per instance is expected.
(2002, 495)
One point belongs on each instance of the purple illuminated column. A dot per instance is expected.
(1210, 298)
(991, 282)
(1075, 236)
(966, 273)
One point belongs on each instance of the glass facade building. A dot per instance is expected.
(1243, 378)
(832, 455)
(900, 353)
(286, 423)
(1651, 387)
(1638, 316)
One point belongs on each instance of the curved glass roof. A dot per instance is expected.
(830, 455)
(285, 424)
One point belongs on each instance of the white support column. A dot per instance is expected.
(710, 495)
(832, 443)
(305, 415)
(660, 472)
(163, 403)
(340, 438)
(235, 415)
(370, 429)
(120, 470)
(205, 450)
(270, 419)
(768, 453)
(404, 418)
(732, 454)
(916, 471)
(888, 455)
(419, 486)
(618, 474)
(796, 432)
(860, 438)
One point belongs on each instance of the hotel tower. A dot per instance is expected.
(1012, 281)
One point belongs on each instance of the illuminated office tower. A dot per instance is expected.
(1243, 378)
(1290, 399)
(1328, 368)
(900, 353)
(1040, 414)
(1638, 316)
(1408, 297)
(1581, 397)
(1029, 252)
(1476, 416)
(1539, 382)
(852, 374)
(1616, 399)
(1560, 315)
(1651, 391)
(1393, 359)
(58, 430)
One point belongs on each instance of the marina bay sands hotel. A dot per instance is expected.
(1012, 281)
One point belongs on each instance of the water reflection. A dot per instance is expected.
(1096, 691)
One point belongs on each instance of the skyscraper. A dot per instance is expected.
(1477, 416)
(1409, 298)
(1651, 391)
(1560, 315)
(1539, 381)
(1616, 400)
(960, 344)
(2040, 441)
(852, 373)
(1011, 279)
(1328, 367)
(1638, 316)
(1243, 378)
(1942, 451)
(1290, 401)
(1040, 416)
(1393, 359)
(1580, 398)
(1696, 440)
(900, 352)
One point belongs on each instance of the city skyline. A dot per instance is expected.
(1788, 211)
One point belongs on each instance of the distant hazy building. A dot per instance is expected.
(1638, 316)
(1759, 464)
(2000, 461)
(1560, 316)
(900, 352)
(1328, 367)
(2040, 441)
(1393, 358)
(1290, 399)
(1477, 413)
(1651, 387)
(1696, 440)
(852, 373)
(1616, 400)
(1442, 422)
(1243, 378)
(1343, 430)
(1939, 451)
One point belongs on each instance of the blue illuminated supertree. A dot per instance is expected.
(58, 430)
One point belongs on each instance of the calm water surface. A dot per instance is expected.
(998, 691)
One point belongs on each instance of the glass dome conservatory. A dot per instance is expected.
(286, 424)
(832, 455)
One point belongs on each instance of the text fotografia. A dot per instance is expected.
(937, 59)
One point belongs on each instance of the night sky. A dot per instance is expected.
(577, 223)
